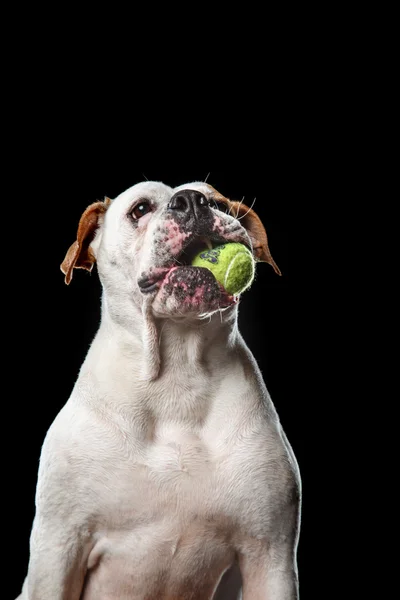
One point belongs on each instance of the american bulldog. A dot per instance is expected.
(167, 474)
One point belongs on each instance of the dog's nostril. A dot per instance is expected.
(201, 200)
(179, 202)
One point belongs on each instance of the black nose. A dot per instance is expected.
(189, 201)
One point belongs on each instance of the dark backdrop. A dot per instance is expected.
(54, 324)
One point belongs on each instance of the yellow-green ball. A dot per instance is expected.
(231, 264)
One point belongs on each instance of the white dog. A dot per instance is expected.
(166, 476)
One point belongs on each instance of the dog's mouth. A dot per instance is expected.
(182, 264)
(150, 283)
(187, 255)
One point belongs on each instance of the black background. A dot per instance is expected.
(87, 112)
(55, 323)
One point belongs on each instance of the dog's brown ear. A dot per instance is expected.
(80, 255)
(254, 227)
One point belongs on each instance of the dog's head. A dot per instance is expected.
(145, 239)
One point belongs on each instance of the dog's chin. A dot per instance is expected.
(190, 292)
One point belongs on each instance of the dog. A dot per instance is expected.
(166, 475)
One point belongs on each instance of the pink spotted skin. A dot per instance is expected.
(169, 241)
(175, 237)
(228, 231)
(189, 289)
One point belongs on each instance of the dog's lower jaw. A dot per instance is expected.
(186, 291)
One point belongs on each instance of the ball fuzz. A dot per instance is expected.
(231, 264)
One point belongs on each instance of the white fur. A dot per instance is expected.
(155, 479)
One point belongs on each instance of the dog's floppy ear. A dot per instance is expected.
(254, 227)
(256, 230)
(80, 255)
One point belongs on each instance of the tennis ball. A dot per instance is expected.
(231, 264)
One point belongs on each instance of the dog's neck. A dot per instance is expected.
(193, 342)
(161, 344)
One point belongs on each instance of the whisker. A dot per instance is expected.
(238, 208)
(230, 208)
(145, 177)
(205, 181)
(252, 204)
(177, 261)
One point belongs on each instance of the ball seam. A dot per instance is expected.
(230, 266)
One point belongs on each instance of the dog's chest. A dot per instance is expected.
(177, 472)
(179, 454)
(173, 500)
(175, 461)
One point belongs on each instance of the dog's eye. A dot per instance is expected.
(222, 207)
(141, 209)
